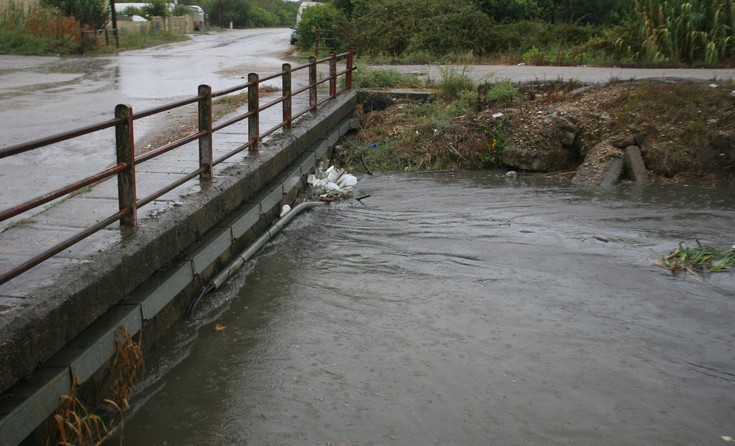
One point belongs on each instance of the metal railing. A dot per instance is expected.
(126, 162)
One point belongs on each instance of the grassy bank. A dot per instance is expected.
(685, 126)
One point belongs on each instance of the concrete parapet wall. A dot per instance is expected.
(185, 244)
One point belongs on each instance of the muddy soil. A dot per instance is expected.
(684, 128)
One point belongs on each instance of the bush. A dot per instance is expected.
(156, 8)
(328, 20)
(453, 83)
(384, 78)
(37, 31)
(91, 13)
(503, 91)
(679, 31)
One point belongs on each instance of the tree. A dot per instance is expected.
(91, 13)
(510, 10)
(156, 8)
(322, 17)
(352, 8)
(583, 11)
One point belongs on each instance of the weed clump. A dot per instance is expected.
(699, 259)
(73, 423)
(385, 78)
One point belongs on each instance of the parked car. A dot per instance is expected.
(294, 37)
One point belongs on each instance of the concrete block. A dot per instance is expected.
(321, 149)
(271, 199)
(308, 163)
(246, 221)
(205, 256)
(293, 178)
(159, 291)
(635, 168)
(613, 172)
(31, 403)
(94, 347)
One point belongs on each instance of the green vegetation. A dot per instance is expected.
(561, 32)
(248, 13)
(688, 32)
(502, 91)
(74, 423)
(466, 127)
(138, 41)
(18, 223)
(492, 157)
(455, 84)
(429, 142)
(91, 14)
(55, 27)
(80, 191)
(323, 21)
(385, 78)
(37, 31)
(701, 259)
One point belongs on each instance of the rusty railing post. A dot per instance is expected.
(333, 75)
(316, 43)
(253, 109)
(286, 87)
(205, 125)
(125, 144)
(312, 84)
(348, 74)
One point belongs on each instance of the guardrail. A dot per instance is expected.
(126, 162)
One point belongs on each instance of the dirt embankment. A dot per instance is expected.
(684, 130)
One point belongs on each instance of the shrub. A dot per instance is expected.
(37, 31)
(91, 13)
(503, 91)
(325, 17)
(383, 78)
(679, 31)
(453, 83)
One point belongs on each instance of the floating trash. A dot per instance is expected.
(332, 184)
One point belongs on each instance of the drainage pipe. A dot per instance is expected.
(243, 257)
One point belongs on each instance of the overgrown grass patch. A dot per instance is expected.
(454, 83)
(385, 78)
(26, 44)
(413, 137)
(140, 41)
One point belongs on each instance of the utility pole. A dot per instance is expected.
(114, 22)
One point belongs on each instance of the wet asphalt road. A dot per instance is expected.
(42, 96)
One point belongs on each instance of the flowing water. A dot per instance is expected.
(462, 309)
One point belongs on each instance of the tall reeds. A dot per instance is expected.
(681, 31)
(39, 21)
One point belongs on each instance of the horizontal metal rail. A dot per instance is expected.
(127, 160)
(59, 137)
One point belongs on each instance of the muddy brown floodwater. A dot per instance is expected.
(462, 309)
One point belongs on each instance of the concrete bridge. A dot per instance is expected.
(58, 319)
